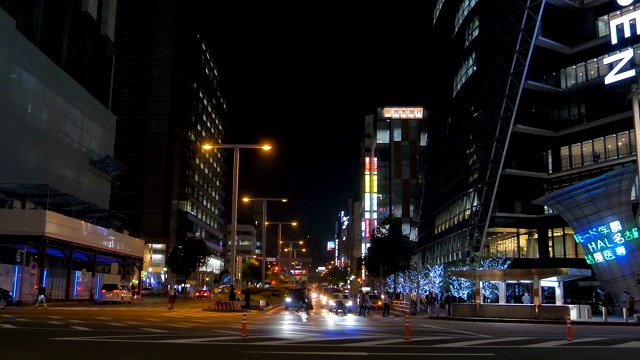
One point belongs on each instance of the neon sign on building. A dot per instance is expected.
(625, 56)
(606, 242)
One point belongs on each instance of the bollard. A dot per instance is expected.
(244, 324)
(569, 331)
(407, 333)
(625, 314)
(605, 314)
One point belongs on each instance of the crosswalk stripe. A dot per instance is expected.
(79, 328)
(154, 330)
(399, 339)
(7, 326)
(55, 322)
(116, 324)
(478, 342)
(562, 342)
(632, 344)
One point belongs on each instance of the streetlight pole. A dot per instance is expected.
(280, 223)
(264, 229)
(234, 196)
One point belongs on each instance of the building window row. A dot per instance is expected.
(200, 213)
(465, 7)
(472, 31)
(467, 68)
(437, 9)
(602, 23)
(457, 212)
(599, 149)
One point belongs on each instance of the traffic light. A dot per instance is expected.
(19, 256)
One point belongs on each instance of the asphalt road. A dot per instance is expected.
(146, 329)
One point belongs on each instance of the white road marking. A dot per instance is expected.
(631, 344)
(55, 322)
(103, 318)
(150, 319)
(458, 331)
(131, 322)
(7, 326)
(395, 340)
(478, 342)
(76, 321)
(154, 330)
(196, 340)
(562, 342)
(180, 326)
(116, 324)
(79, 328)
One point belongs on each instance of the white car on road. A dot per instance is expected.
(114, 293)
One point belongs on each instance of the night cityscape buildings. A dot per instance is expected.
(528, 110)
(168, 102)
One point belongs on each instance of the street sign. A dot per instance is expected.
(34, 267)
(226, 279)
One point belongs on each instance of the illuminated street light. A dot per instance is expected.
(234, 195)
(264, 229)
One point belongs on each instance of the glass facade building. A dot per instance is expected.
(522, 108)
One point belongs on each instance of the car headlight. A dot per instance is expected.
(349, 303)
(287, 299)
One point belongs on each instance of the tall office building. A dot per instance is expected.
(56, 140)
(391, 185)
(168, 103)
(533, 99)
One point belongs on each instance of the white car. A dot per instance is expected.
(346, 300)
(114, 293)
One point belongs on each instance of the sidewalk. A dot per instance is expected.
(598, 319)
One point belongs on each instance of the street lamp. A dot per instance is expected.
(264, 229)
(234, 195)
(280, 223)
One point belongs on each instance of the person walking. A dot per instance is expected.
(42, 293)
(386, 305)
(247, 299)
(340, 303)
(232, 293)
(361, 303)
(303, 301)
(632, 305)
(172, 296)
(366, 300)
(447, 303)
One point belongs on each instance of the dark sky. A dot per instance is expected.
(304, 79)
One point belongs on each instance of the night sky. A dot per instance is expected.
(304, 83)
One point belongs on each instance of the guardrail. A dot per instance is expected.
(403, 306)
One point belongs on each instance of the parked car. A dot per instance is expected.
(348, 303)
(294, 298)
(203, 294)
(147, 291)
(114, 293)
(6, 298)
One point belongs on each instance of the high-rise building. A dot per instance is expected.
(393, 141)
(168, 103)
(56, 141)
(391, 178)
(529, 98)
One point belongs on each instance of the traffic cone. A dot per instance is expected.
(407, 333)
(244, 324)
(569, 331)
